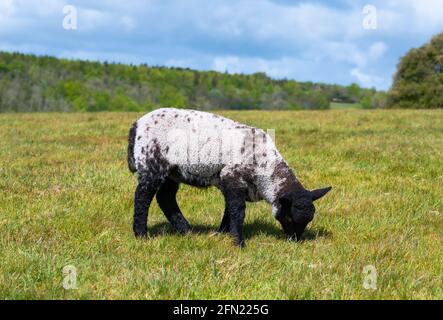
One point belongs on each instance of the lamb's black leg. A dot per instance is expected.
(235, 207)
(225, 224)
(166, 198)
(143, 196)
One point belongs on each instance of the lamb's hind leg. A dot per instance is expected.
(144, 193)
(166, 198)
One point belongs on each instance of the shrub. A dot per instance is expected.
(418, 82)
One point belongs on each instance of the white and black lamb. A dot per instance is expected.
(171, 146)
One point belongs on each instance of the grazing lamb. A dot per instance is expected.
(172, 146)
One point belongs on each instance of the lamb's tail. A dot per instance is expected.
(131, 142)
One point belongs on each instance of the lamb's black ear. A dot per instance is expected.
(318, 193)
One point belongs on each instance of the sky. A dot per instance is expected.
(338, 41)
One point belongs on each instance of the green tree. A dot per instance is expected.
(418, 82)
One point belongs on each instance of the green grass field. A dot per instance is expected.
(66, 198)
(341, 105)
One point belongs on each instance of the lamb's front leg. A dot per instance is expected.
(226, 223)
(144, 193)
(235, 208)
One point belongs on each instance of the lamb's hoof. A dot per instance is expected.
(180, 225)
(141, 234)
(241, 244)
(223, 230)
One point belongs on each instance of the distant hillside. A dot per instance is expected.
(42, 83)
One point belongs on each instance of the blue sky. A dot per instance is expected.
(321, 41)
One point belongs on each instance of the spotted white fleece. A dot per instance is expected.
(201, 149)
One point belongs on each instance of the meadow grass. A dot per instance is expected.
(66, 198)
(342, 105)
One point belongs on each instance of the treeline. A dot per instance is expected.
(43, 83)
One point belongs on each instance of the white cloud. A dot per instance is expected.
(377, 50)
(410, 17)
(284, 67)
(268, 21)
(7, 21)
(230, 63)
(7, 7)
(45, 8)
(428, 15)
(128, 23)
(90, 19)
(366, 79)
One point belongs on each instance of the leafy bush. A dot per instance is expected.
(418, 82)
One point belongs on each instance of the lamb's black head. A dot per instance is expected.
(296, 210)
